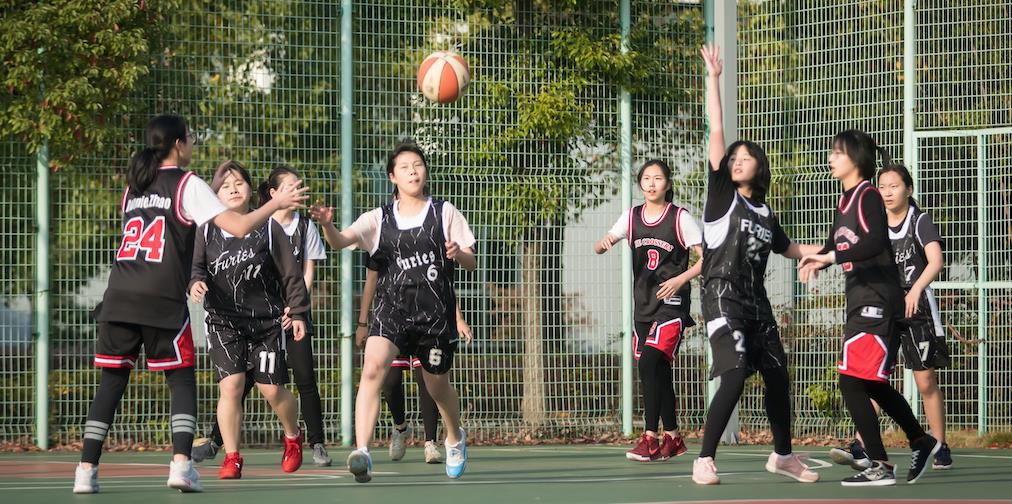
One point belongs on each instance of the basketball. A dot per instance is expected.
(443, 76)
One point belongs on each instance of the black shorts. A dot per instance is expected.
(245, 345)
(923, 343)
(867, 355)
(744, 344)
(119, 345)
(665, 336)
(433, 345)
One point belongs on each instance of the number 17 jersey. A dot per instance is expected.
(147, 284)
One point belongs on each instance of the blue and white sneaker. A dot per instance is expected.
(456, 456)
(360, 465)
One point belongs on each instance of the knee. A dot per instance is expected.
(231, 388)
(373, 371)
(927, 385)
(272, 392)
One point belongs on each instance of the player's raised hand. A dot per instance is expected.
(711, 57)
(291, 195)
(323, 214)
(197, 291)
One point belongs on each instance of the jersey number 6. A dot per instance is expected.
(137, 237)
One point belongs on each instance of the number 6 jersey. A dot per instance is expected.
(147, 284)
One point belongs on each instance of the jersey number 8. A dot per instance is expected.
(137, 237)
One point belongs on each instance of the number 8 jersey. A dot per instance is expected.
(148, 280)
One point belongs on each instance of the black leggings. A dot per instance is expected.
(299, 355)
(658, 390)
(778, 408)
(393, 392)
(857, 395)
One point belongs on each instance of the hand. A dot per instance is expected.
(607, 242)
(452, 250)
(291, 195)
(197, 291)
(669, 287)
(711, 57)
(361, 333)
(323, 214)
(299, 329)
(464, 330)
(912, 300)
(286, 321)
(809, 266)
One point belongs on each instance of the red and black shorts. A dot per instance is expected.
(665, 336)
(867, 356)
(119, 345)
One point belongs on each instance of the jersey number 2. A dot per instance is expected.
(137, 237)
(653, 258)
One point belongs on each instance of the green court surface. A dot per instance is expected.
(579, 474)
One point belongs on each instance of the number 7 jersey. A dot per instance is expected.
(147, 284)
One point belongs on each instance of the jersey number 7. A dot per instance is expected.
(137, 237)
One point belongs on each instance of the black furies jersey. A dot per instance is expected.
(254, 276)
(738, 236)
(658, 254)
(908, 241)
(415, 282)
(863, 250)
(147, 284)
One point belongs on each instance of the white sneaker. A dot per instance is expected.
(183, 477)
(704, 472)
(86, 480)
(360, 464)
(432, 453)
(398, 442)
(456, 456)
(791, 466)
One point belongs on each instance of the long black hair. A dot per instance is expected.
(407, 145)
(904, 175)
(861, 148)
(274, 181)
(760, 183)
(160, 137)
(669, 195)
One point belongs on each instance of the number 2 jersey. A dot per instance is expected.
(253, 276)
(147, 284)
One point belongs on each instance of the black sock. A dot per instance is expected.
(303, 365)
(778, 407)
(183, 392)
(393, 392)
(858, 402)
(732, 383)
(103, 411)
(650, 359)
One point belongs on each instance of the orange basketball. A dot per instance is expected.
(443, 76)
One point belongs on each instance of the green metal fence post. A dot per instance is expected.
(909, 97)
(347, 160)
(42, 308)
(982, 311)
(625, 152)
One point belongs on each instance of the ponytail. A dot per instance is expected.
(161, 135)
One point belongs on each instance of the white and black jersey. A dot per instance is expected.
(255, 276)
(147, 284)
(659, 253)
(738, 236)
(860, 238)
(908, 242)
(306, 245)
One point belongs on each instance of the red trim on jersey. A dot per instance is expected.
(122, 205)
(636, 344)
(115, 361)
(185, 355)
(852, 197)
(860, 212)
(678, 227)
(179, 199)
(643, 216)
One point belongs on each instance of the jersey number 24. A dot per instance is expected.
(137, 237)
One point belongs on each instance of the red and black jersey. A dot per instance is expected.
(658, 254)
(147, 285)
(860, 237)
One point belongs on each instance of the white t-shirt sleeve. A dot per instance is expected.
(200, 204)
(455, 227)
(689, 230)
(621, 228)
(367, 230)
(314, 245)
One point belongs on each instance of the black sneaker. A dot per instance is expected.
(879, 474)
(923, 449)
(943, 459)
(852, 455)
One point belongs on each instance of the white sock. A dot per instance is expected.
(364, 450)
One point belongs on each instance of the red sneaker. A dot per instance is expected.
(291, 461)
(671, 447)
(648, 449)
(231, 468)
